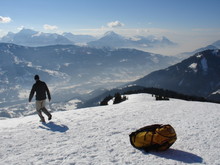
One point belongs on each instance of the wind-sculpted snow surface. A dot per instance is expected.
(100, 135)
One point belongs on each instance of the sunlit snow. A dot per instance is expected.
(100, 135)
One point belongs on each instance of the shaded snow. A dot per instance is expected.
(215, 52)
(181, 82)
(204, 64)
(100, 135)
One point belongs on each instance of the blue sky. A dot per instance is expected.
(179, 20)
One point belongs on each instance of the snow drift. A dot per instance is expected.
(100, 135)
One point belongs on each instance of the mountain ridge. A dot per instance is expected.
(29, 37)
(114, 40)
(198, 75)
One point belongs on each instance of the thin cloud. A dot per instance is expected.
(20, 28)
(203, 30)
(115, 24)
(50, 27)
(129, 32)
(5, 19)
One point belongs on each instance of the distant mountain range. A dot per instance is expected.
(28, 37)
(75, 72)
(111, 39)
(72, 70)
(81, 39)
(197, 75)
(215, 45)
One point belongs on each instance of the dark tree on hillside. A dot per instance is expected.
(106, 100)
(118, 98)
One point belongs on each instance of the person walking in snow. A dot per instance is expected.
(41, 90)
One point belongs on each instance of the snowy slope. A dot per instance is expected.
(194, 76)
(100, 135)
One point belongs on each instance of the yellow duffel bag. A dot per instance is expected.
(154, 137)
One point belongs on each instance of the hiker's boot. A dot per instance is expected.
(50, 117)
(42, 121)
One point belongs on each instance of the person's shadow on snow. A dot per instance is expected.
(178, 155)
(51, 126)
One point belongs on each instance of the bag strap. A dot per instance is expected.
(150, 128)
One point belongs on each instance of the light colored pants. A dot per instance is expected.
(40, 106)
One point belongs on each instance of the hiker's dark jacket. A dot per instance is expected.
(41, 89)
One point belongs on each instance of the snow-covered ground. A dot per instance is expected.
(100, 135)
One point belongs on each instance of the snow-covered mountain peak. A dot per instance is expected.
(28, 37)
(112, 34)
(37, 34)
(27, 32)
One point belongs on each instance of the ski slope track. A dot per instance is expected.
(100, 135)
